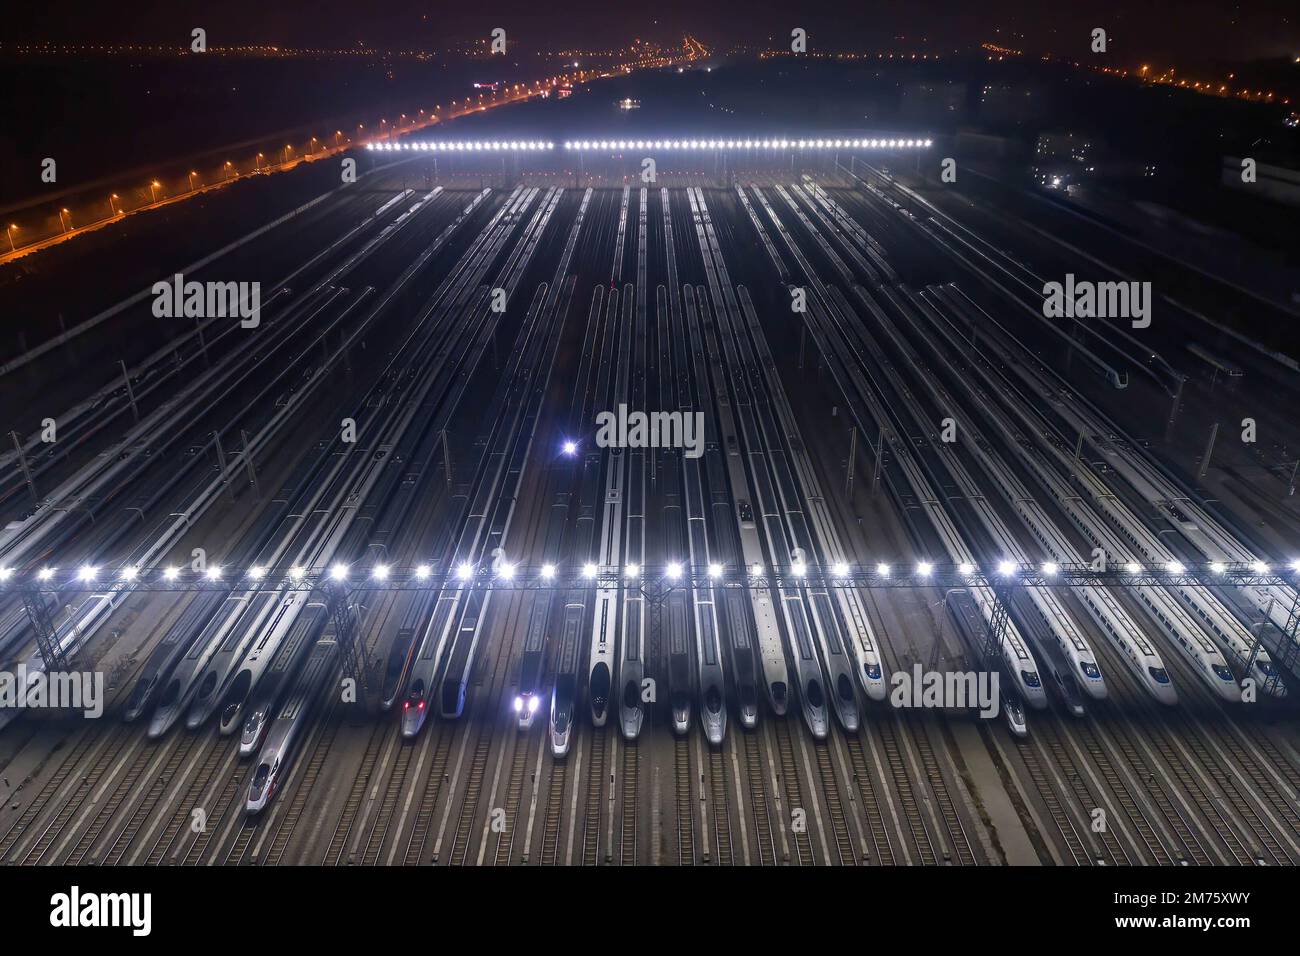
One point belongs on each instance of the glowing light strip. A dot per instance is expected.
(695, 144)
(478, 146)
(601, 145)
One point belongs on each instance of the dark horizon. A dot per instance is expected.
(1199, 31)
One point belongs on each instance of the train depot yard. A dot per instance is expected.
(697, 485)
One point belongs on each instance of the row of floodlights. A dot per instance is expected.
(674, 570)
(532, 146)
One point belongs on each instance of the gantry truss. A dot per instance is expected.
(41, 591)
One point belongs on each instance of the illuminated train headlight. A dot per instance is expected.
(519, 705)
(532, 705)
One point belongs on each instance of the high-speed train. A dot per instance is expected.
(290, 725)
(256, 705)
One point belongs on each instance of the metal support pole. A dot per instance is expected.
(853, 455)
(130, 393)
(1173, 409)
(47, 642)
(27, 472)
(248, 463)
(1290, 490)
(879, 466)
(1209, 450)
(345, 632)
(446, 458)
(221, 460)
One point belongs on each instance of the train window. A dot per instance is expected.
(1158, 675)
(1222, 672)
(1089, 670)
(1031, 679)
(259, 778)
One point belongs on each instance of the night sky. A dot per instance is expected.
(1193, 30)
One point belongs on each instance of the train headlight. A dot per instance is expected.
(519, 705)
(533, 703)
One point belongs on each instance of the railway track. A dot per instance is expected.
(162, 780)
(1156, 792)
(758, 798)
(835, 805)
(721, 807)
(423, 822)
(870, 804)
(906, 795)
(388, 805)
(591, 808)
(1101, 759)
(789, 772)
(682, 794)
(630, 790)
(71, 804)
(356, 795)
(215, 756)
(1047, 794)
(554, 812)
(514, 795)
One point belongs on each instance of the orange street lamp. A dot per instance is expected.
(192, 175)
(110, 204)
(153, 195)
(66, 225)
(10, 233)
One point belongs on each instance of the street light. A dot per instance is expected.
(192, 175)
(66, 225)
(153, 191)
(111, 198)
(10, 233)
